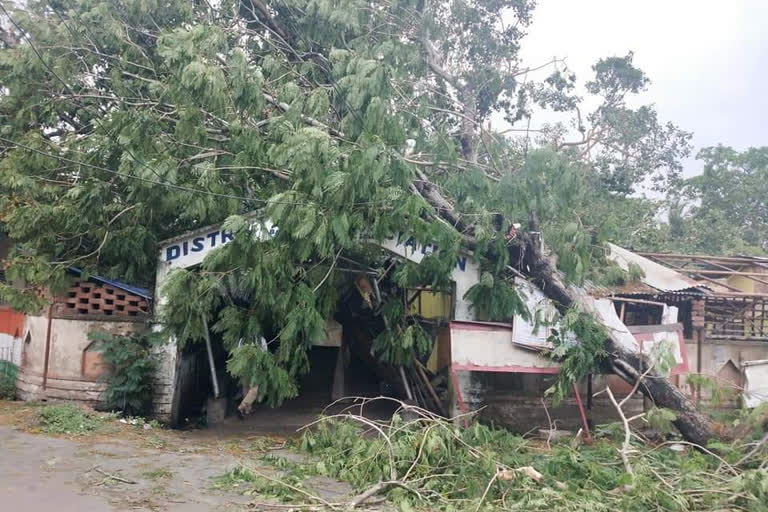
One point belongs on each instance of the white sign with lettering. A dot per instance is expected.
(190, 249)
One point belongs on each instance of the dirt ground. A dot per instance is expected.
(126, 467)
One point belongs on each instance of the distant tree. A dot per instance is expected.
(724, 210)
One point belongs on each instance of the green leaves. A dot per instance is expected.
(132, 363)
(401, 345)
(617, 76)
(205, 82)
(247, 83)
(579, 347)
(496, 300)
(185, 44)
(191, 296)
(661, 419)
(404, 340)
(317, 104)
(255, 366)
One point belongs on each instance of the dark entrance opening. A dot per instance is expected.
(335, 372)
(348, 370)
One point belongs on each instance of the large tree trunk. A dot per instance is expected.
(625, 359)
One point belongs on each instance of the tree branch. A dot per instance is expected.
(626, 447)
(268, 20)
(310, 121)
(434, 61)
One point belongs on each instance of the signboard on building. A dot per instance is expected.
(191, 248)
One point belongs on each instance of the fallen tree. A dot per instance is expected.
(424, 462)
(539, 265)
(625, 360)
(343, 123)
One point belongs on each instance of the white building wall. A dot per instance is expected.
(10, 348)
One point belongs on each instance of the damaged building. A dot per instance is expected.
(499, 369)
(341, 365)
(722, 305)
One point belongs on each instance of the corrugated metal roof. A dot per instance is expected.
(631, 288)
(699, 292)
(135, 290)
(656, 275)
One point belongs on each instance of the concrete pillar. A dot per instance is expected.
(339, 389)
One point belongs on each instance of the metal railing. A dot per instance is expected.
(740, 318)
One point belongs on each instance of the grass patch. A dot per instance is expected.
(250, 482)
(68, 419)
(157, 442)
(158, 474)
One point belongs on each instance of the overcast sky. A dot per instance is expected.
(707, 60)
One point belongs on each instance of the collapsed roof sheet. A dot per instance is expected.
(656, 275)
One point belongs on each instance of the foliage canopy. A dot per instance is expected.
(125, 123)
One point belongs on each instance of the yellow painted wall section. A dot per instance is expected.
(747, 285)
(432, 361)
(743, 283)
(432, 305)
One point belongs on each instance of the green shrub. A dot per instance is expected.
(133, 364)
(8, 373)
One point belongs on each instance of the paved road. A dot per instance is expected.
(45, 474)
(40, 474)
